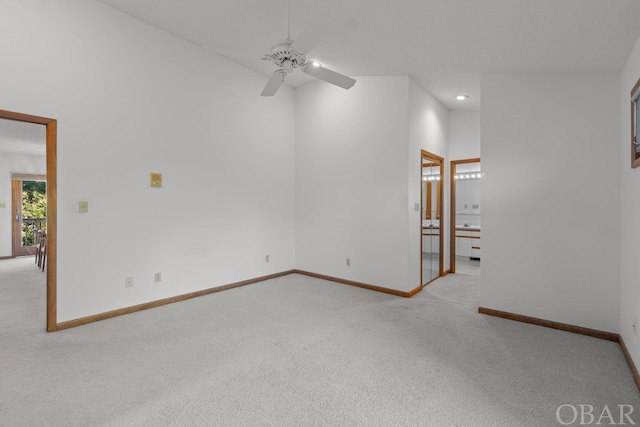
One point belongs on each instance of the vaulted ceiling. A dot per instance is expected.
(443, 44)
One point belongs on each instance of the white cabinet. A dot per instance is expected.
(463, 246)
(475, 250)
(468, 243)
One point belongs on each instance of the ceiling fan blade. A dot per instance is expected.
(274, 83)
(319, 72)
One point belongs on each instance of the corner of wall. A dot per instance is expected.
(629, 213)
(428, 127)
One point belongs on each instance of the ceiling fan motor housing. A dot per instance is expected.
(283, 56)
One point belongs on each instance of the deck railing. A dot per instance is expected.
(29, 226)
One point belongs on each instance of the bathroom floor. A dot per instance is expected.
(465, 265)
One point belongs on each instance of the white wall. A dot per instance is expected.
(428, 130)
(630, 212)
(550, 241)
(131, 100)
(356, 152)
(464, 135)
(19, 163)
(351, 186)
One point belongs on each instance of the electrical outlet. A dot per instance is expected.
(128, 282)
(266, 258)
(348, 262)
(157, 277)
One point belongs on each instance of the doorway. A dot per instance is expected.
(51, 203)
(29, 212)
(465, 235)
(431, 224)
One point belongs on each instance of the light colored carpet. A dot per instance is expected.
(297, 351)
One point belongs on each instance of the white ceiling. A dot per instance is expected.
(443, 44)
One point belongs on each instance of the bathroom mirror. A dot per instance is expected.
(432, 189)
(431, 217)
(466, 177)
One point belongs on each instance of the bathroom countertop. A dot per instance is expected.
(458, 228)
(469, 228)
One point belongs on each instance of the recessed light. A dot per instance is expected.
(462, 97)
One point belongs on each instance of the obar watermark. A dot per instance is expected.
(584, 415)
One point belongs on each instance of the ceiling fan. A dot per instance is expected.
(290, 54)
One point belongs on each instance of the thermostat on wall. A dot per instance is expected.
(156, 179)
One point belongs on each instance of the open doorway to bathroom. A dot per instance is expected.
(465, 247)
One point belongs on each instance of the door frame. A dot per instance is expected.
(452, 210)
(426, 155)
(52, 211)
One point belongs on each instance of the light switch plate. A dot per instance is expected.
(156, 179)
(83, 206)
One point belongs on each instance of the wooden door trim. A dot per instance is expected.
(452, 210)
(52, 211)
(424, 154)
(15, 232)
(28, 176)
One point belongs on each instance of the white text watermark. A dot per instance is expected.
(584, 415)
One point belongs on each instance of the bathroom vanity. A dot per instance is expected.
(468, 241)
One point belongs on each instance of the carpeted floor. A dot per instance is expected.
(298, 351)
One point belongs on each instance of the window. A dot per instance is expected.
(635, 125)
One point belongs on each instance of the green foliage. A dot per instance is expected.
(34, 205)
(37, 186)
